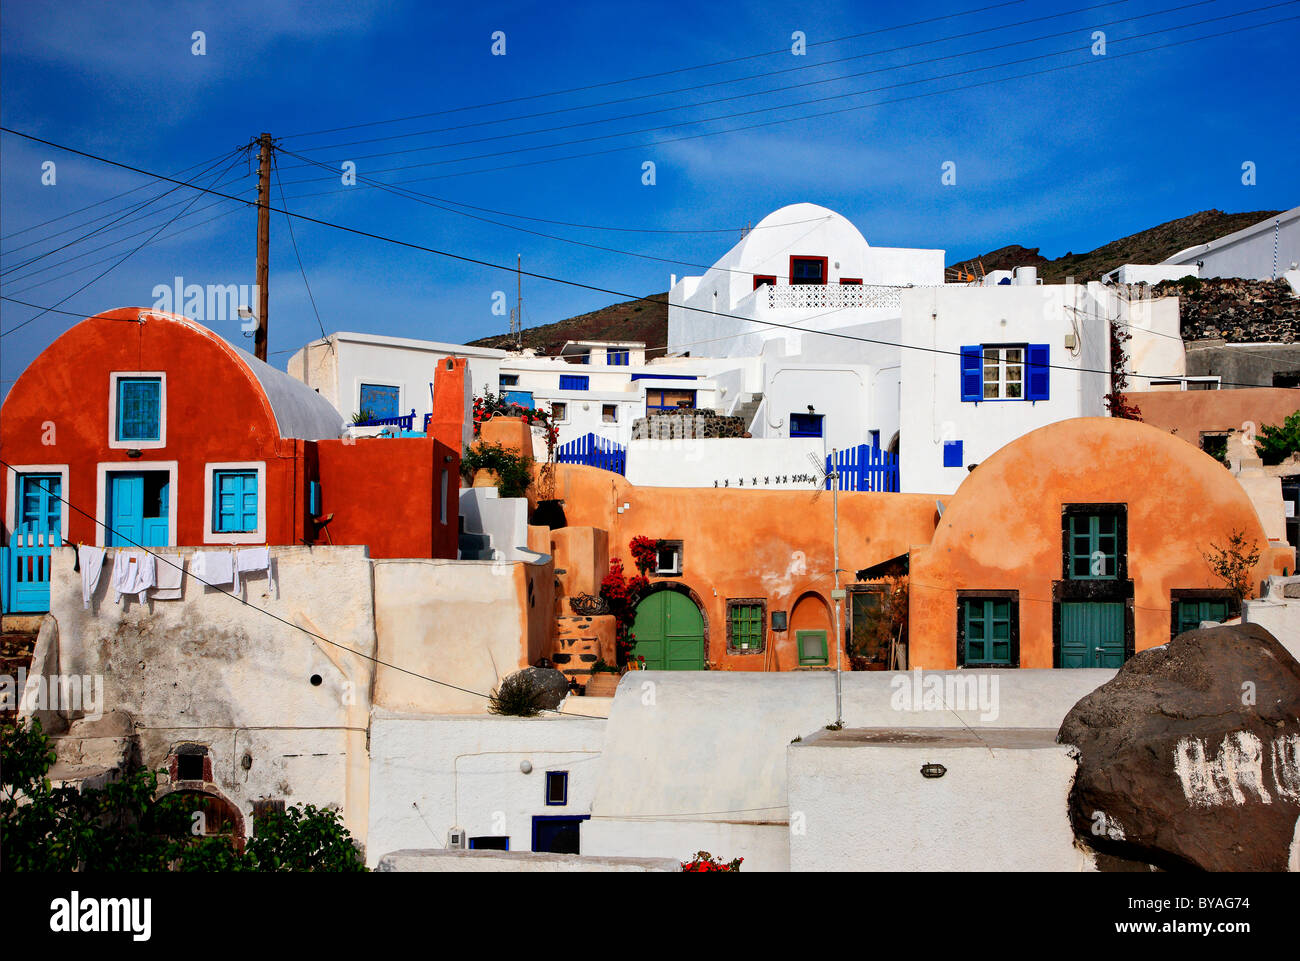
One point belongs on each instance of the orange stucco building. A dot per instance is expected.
(1074, 545)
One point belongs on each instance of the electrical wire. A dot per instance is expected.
(289, 223)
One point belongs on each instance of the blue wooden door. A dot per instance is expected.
(1092, 634)
(39, 507)
(137, 509)
(25, 563)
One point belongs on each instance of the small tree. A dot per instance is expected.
(1234, 564)
(1276, 444)
(519, 695)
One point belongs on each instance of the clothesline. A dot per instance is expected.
(138, 572)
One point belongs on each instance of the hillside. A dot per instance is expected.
(636, 320)
(1145, 247)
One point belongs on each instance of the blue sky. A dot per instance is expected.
(1065, 160)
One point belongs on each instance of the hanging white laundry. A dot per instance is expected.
(254, 559)
(212, 567)
(170, 571)
(91, 561)
(133, 573)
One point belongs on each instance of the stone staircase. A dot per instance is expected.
(577, 647)
(747, 408)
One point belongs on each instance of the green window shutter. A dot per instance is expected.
(1090, 535)
(812, 648)
(987, 624)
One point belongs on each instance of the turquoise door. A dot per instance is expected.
(137, 509)
(40, 509)
(669, 632)
(25, 562)
(1092, 634)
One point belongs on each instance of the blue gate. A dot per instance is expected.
(594, 451)
(865, 468)
(26, 571)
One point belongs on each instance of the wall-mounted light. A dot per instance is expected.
(134, 454)
(933, 770)
(526, 767)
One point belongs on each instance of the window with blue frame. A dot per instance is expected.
(234, 501)
(617, 358)
(508, 380)
(574, 381)
(40, 510)
(139, 408)
(805, 425)
(1005, 372)
(379, 400)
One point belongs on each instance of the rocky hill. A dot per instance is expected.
(636, 320)
(1145, 247)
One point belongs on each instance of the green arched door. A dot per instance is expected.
(669, 631)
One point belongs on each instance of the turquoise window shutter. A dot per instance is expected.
(972, 373)
(1037, 375)
(235, 506)
(139, 408)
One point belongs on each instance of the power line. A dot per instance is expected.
(124, 258)
(826, 113)
(651, 76)
(289, 223)
(103, 227)
(756, 76)
(462, 258)
(271, 614)
(97, 203)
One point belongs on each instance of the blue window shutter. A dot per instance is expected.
(972, 373)
(1037, 377)
(574, 381)
(952, 456)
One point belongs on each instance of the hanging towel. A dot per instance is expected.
(254, 559)
(91, 562)
(212, 567)
(133, 573)
(170, 570)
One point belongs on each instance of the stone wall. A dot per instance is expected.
(688, 423)
(1237, 310)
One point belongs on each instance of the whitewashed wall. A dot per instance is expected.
(1249, 253)
(430, 774)
(775, 463)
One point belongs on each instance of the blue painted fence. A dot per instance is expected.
(594, 451)
(25, 571)
(405, 421)
(865, 468)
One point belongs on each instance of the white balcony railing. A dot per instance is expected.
(833, 296)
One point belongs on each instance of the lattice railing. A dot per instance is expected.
(832, 296)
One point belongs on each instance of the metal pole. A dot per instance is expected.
(837, 594)
(263, 244)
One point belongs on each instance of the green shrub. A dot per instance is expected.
(519, 695)
(514, 471)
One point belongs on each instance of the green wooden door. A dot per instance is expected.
(669, 633)
(1092, 634)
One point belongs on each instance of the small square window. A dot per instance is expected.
(508, 380)
(234, 501)
(617, 358)
(952, 456)
(668, 558)
(807, 270)
(988, 630)
(559, 411)
(761, 279)
(812, 648)
(806, 425)
(746, 622)
(139, 408)
(609, 413)
(189, 767)
(557, 788)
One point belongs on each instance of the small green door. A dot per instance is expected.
(669, 632)
(1092, 634)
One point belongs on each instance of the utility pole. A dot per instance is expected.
(519, 302)
(837, 595)
(263, 243)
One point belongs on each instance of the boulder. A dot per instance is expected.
(553, 683)
(1190, 755)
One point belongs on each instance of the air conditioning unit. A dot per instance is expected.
(457, 840)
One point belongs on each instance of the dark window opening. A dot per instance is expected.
(497, 842)
(761, 279)
(508, 380)
(807, 270)
(189, 767)
(557, 788)
(851, 281)
(806, 425)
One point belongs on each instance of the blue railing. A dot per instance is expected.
(865, 468)
(405, 421)
(594, 451)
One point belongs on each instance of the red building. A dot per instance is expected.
(146, 427)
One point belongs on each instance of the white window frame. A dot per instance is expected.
(211, 536)
(677, 560)
(1002, 364)
(379, 382)
(113, 442)
(602, 414)
(104, 468)
(11, 495)
(552, 403)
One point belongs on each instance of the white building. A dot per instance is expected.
(832, 338)
(1266, 251)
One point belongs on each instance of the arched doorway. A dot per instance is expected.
(810, 638)
(669, 632)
